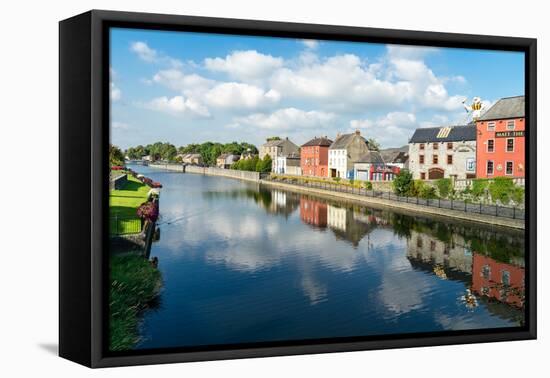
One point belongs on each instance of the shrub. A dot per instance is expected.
(427, 192)
(403, 183)
(368, 185)
(445, 187)
(148, 211)
(501, 189)
(478, 187)
(336, 179)
(518, 194)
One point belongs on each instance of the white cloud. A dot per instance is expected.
(178, 105)
(287, 119)
(311, 44)
(341, 81)
(245, 65)
(144, 51)
(187, 84)
(119, 125)
(238, 95)
(116, 93)
(392, 130)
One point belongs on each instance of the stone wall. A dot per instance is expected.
(232, 173)
(211, 171)
(169, 167)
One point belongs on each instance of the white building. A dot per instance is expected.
(344, 152)
(443, 152)
(287, 165)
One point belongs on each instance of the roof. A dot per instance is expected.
(342, 141)
(373, 157)
(444, 134)
(318, 141)
(273, 143)
(401, 158)
(507, 107)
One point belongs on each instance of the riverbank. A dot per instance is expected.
(366, 200)
(134, 283)
(408, 207)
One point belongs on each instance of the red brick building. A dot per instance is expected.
(314, 157)
(501, 139)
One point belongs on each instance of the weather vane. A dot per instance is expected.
(475, 108)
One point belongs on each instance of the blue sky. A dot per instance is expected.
(190, 87)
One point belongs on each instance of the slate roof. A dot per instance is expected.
(372, 157)
(505, 108)
(455, 134)
(273, 143)
(343, 141)
(401, 158)
(318, 141)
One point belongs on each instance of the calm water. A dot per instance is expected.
(244, 263)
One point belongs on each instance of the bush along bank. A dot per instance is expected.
(497, 191)
(135, 283)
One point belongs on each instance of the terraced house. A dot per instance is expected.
(443, 152)
(346, 150)
(501, 139)
(314, 157)
(278, 147)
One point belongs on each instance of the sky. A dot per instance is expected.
(182, 87)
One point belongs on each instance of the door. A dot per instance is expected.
(436, 173)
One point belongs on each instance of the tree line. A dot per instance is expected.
(208, 150)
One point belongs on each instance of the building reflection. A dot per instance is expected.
(313, 212)
(498, 281)
(492, 277)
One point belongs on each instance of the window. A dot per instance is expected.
(486, 272)
(490, 167)
(422, 146)
(436, 146)
(509, 167)
(422, 175)
(449, 159)
(450, 145)
(435, 159)
(510, 125)
(432, 245)
(490, 145)
(421, 159)
(491, 126)
(510, 145)
(506, 278)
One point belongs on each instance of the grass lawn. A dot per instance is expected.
(123, 205)
(134, 284)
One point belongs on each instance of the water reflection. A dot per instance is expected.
(245, 263)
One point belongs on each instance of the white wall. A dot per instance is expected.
(29, 120)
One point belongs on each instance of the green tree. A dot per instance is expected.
(403, 183)
(445, 187)
(116, 157)
(373, 144)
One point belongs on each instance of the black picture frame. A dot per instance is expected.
(83, 163)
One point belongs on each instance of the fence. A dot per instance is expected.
(119, 225)
(478, 208)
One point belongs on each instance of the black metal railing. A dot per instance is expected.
(512, 212)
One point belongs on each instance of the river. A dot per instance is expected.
(246, 263)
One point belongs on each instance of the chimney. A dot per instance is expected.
(357, 132)
(338, 135)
